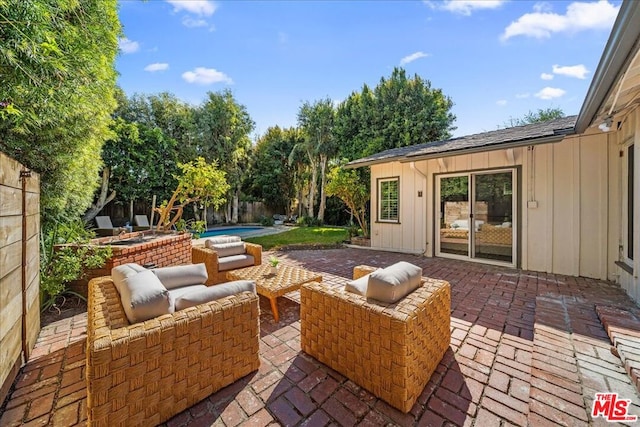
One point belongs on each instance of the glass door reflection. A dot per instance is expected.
(454, 215)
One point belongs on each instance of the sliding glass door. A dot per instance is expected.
(476, 213)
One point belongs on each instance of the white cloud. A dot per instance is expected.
(464, 7)
(501, 102)
(158, 66)
(410, 58)
(546, 76)
(197, 7)
(522, 95)
(206, 76)
(577, 71)
(190, 22)
(128, 46)
(579, 16)
(542, 7)
(550, 93)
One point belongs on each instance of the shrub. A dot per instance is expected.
(196, 228)
(309, 221)
(266, 221)
(65, 257)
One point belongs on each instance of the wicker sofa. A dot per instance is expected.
(144, 373)
(389, 349)
(217, 265)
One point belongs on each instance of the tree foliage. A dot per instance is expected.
(540, 116)
(199, 181)
(348, 186)
(398, 112)
(223, 127)
(58, 77)
(272, 177)
(316, 121)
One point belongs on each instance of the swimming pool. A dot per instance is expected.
(233, 231)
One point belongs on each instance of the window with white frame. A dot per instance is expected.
(388, 199)
(628, 172)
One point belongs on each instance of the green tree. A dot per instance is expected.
(272, 177)
(316, 121)
(223, 127)
(349, 187)
(199, 181)
(163, 111)
(540, 116)
(400, 111)
(58, 79)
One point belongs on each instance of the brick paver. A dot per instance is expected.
(527, 348)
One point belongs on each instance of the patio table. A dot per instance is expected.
(286, 279)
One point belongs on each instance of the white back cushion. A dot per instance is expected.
(221, 239)
(393, 283)
(182, 275)
(144, 297)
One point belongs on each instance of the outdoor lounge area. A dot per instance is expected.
(526, 349)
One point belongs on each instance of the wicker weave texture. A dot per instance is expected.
(389, 349)
(200, 254)
(287, 278)
(145, 373)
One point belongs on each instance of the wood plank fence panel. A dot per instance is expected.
(16, 269)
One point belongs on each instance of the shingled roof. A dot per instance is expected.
(536, 133)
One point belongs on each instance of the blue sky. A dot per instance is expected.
(495, 59)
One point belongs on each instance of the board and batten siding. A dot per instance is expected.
(13, 269)
(629, 132)
(409, 235)
(566, 233)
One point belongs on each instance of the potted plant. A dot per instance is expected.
(273, 261)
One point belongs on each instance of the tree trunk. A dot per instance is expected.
(312, 189)
(323, 183)
(103, 199)
(236, 202)
(196, 212)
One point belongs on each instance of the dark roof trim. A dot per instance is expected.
(482, 149)
(615, 58)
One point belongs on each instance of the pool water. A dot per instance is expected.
(234, 231)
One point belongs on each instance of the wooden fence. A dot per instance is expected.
(19, 267)
(247, 212)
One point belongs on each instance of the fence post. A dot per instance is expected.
(24, 174)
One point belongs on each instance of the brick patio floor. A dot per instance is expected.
(527, 349)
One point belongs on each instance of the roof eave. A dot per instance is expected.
(495, 147)
(559, 136)
(615, 58)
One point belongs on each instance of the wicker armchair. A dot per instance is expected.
(145, 373)
(389, 349)
(209, 257)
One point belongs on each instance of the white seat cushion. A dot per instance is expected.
(235, 261)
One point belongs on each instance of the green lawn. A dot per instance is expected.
(303, 236)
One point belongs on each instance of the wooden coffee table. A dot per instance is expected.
(287, 279)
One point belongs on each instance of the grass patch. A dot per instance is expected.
(302, 236)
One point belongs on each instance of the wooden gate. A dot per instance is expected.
(19, 267)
